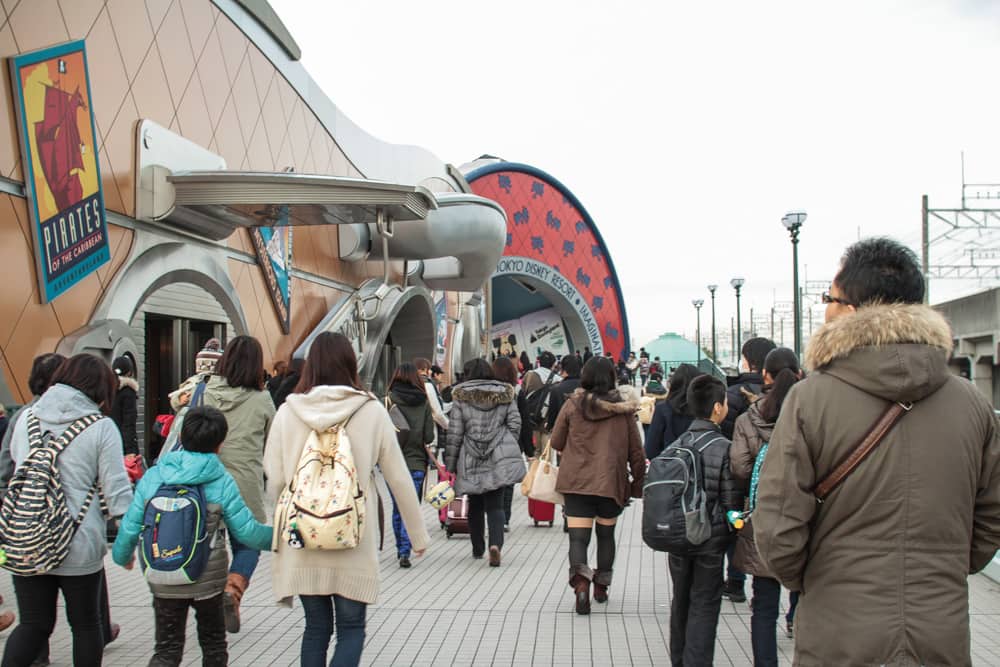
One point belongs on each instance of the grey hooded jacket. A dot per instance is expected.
(94, 456)
(482, 449)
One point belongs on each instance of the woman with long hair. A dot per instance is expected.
(483, 452)
(237, 389)
(83, 386)
(289, 381)
(124, 410)
(602, 466)
(505, 371)
(524, 363)
(673, 416)
(337, 586)
(407, 392)
(752, 433)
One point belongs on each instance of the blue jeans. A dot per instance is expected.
(763, 621)
(244, 558)
(402, 539)
(350, 617)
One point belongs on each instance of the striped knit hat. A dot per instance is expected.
(204, 361)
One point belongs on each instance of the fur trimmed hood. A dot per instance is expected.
(131, 383)
(625, 400)
(484, 394)
(896, 351)
(877, 326)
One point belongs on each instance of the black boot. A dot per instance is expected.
(734, 591)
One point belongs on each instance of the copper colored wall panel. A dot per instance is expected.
(185, 65)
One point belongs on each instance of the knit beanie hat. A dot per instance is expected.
(204, 361)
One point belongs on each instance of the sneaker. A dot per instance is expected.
(788, 630)
(404, 562)
(494, 556)
(506, 528)
(733, 590)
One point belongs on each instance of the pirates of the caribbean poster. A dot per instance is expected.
(61, 172)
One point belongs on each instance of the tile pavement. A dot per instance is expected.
(451, 610)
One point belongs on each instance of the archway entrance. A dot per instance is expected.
(536, 308)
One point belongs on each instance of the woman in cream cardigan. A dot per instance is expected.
(337, 585)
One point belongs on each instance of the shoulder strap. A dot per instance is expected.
(199, 393)
(62, 442)
(866, 446)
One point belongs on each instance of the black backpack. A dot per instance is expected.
(537, 404)
(676, 516)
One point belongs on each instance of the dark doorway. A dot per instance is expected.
(171, 346)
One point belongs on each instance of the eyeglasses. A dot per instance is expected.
(829, 298)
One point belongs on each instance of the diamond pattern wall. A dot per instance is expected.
(543, 223)
(185, 65)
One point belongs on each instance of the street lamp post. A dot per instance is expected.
(698, 303)
(737, 284)
(793, 223)
(715, 358)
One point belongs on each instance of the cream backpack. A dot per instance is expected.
(323, 507)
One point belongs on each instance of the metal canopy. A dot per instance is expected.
(213, 204)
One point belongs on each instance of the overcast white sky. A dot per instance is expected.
(687, 129)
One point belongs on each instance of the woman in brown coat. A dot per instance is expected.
(598, 435)
(752, 432)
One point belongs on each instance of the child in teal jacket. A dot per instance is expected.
(203, 432)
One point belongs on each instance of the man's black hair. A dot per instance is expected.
(571, 364)
(755, 350)
(703, 393)
(880, 270)
(204, 429)
(547, 360)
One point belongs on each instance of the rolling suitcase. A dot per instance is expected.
(541, 511)
(458, 517)
(445, 476)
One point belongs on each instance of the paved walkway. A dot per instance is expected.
(452, 610)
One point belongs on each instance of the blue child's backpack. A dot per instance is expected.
(174, 542)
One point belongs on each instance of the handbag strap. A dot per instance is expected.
(868, 443)
(434, 459)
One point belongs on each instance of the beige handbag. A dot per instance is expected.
(543, 476)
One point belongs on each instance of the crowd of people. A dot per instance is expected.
(922, 500)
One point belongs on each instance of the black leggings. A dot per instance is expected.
(579, 542)
(36, 605)
(490, 503)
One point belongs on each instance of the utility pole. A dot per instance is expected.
(772, 323)
(698, 303)
(715, 357)
(732, 324)
(926, 241)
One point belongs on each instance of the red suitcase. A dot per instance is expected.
(458, 516)
(541, 511)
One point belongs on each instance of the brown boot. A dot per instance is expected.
(6, 620)
(236, 586)
(581, 589)
(602, 579)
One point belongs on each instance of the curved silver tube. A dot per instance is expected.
(459, 243)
